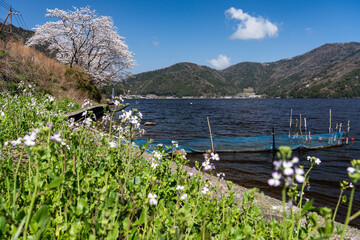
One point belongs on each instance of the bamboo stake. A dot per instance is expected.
(347, 134)
(290, 122)
(329, 120)
(212, 144)
(273, 139)
(339, 133)
(300, 125)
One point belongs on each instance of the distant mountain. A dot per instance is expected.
(332, 70)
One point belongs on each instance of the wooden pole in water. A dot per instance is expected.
(347, 134)
(329, 120)
(290, 122)
(305, 126)
(339, 141)
(273, 138)
(212, 144)
(296, 125)
(300, 125)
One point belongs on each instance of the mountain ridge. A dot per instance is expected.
(331, 70)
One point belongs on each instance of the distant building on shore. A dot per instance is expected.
(248, 93)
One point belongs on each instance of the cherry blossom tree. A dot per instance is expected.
(84, 39)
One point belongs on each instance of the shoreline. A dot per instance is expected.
(270, 207)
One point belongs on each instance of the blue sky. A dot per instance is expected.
(214, 33)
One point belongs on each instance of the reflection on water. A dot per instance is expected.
(179, 119)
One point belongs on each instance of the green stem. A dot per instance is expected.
(145, 221)
(338, 204)
(32, 201)
(284, 230)
(347, 220)
(15, 177)
(354, 216)
(192, 218)
(301, 198)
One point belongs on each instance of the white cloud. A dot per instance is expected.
(251, 27)
(155, 43)
(308, 30)
(221, 62)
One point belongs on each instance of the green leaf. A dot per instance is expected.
(82, 206)
(2, 225)
(141, 219)
(126, 222)
(39, 221)
(20, 215)
(314, 218)
(160, 236)
(19, 230)
(54, 183)
(247, 229)
(137, 180)
(307, 207)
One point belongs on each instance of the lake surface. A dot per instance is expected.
(186, 119)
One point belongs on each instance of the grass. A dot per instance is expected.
(22, 63)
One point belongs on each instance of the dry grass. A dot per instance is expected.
(31, 66)
(43, 63)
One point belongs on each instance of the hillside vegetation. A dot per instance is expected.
(331, 70)
(20, 63)
(18, 34)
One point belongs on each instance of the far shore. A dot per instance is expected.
(192, 97)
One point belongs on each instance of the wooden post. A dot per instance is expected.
(305, 126)
(296, 125)
(11, 12)
(290, 122)
(300, 125)
(2, 26)
(329, 120)
(273, 138)
(347, 134)
(339, 140)
(212, 144)
(11, 20)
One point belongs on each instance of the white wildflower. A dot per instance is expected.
(152, 198)
(351, 170)
(205, 189)
(299, 175)
(275, 181)
(56, 137)
(113, 144)
(184, 197)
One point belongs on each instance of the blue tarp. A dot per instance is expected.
(250, 144)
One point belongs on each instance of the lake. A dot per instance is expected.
(187, 119)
